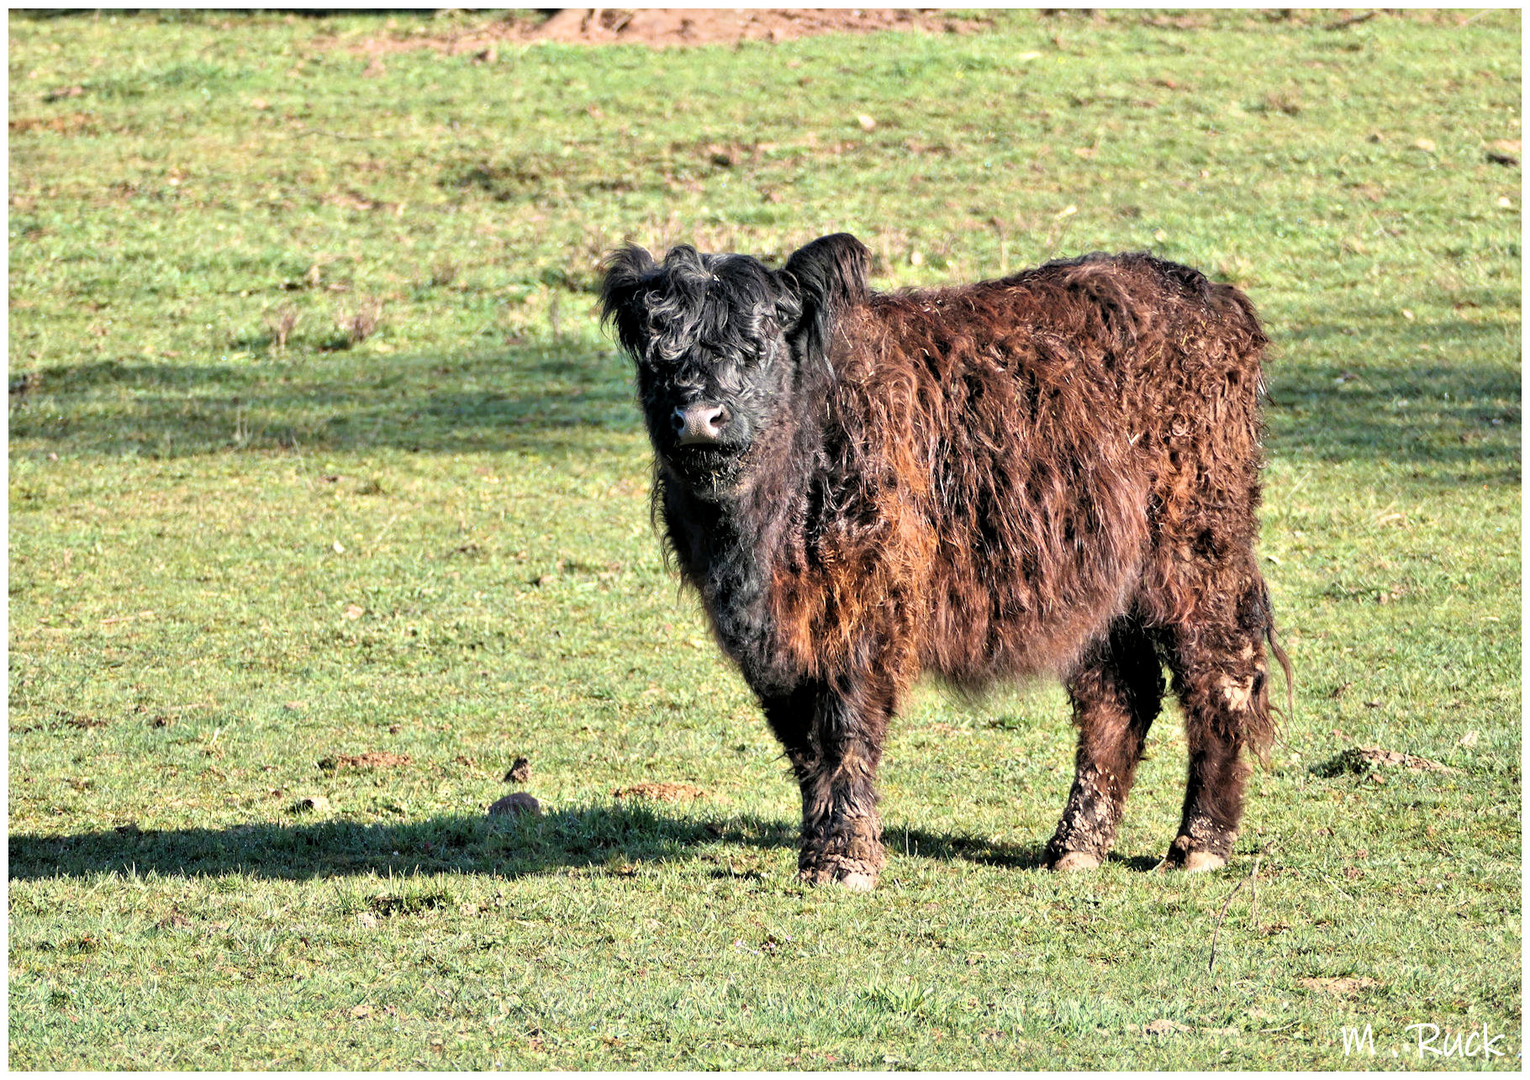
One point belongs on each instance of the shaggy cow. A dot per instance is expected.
(1055, 472)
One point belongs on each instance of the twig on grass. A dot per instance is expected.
(338, 135)
(385, 529)
(1253, 906)
(1353, 20)
(1298, 485)
(1253, 880)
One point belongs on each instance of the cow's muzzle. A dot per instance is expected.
(701, 424)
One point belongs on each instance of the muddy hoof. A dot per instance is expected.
(859, 882)
(853, 881)
(1074, 860)
(1182, 857)
(1198, 862)
(854, 875)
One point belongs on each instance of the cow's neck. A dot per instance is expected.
(731, 549)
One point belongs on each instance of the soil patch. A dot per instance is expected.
(372, 759)
(76, 123)
(659, 792)
(664, 27)
(1343, 987)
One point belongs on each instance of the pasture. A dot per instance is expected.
(328, 500)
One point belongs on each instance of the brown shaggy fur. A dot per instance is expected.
(1053, 473)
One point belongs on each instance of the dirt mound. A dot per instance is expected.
(513, 805)
(1362, 759)
(372, 759)
(662, 27)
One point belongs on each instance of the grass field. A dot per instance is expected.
(324, 483)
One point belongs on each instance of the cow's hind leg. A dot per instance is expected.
(1222, 679)
(833, 739)
(1116, 695)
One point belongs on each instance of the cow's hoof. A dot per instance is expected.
(858, 882)
(1198, 862)
(1074, 860)
(1182, 857)
(853, 875)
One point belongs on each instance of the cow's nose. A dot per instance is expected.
(700, 425)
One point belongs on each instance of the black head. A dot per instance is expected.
(719, 341)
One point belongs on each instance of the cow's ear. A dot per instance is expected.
(628, 273)
(827, 277)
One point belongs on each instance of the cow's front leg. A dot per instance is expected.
(833, 738)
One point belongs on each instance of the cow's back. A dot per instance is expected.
(1013, 447)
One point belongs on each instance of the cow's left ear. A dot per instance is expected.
(628, 272)
(827, 277)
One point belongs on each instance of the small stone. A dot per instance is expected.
(519, 772)
(515, 805)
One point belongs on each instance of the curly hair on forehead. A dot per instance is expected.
(716, 302)
(1053, 473)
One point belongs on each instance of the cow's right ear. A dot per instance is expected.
(827, 277)
(628, 272)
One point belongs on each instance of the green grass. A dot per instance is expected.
(232, 558)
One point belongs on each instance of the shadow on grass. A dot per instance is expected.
(597, 836)
(1441, 410)
(1332, 400)
(560, 397)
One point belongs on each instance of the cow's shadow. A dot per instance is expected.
(568, 398)
(613, 837)
(572, 397)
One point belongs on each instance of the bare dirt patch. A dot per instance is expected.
(372, 759)
(695, 26)
(76, 123)
(664, 27)
(1342, 987)
(659, 792)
